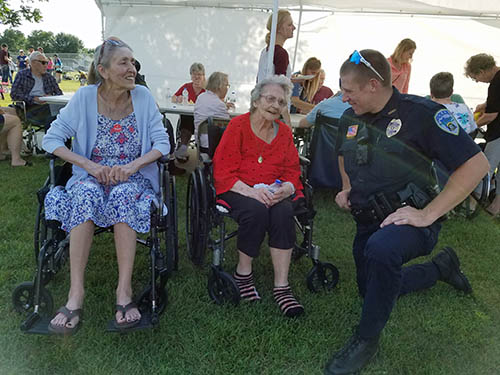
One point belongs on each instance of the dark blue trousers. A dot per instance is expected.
(379, 254)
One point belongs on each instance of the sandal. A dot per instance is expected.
(69, 314)
(124, 309)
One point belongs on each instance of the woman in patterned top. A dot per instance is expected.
(117, 135)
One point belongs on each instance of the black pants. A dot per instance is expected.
(255, 219)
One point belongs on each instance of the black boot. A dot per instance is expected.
(353, 356)
(449, 267)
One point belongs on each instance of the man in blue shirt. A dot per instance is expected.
(21, 60)
(332, 107)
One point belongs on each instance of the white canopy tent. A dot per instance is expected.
(228, 35)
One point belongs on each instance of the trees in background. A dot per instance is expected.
(59, 43)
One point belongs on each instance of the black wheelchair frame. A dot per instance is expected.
(30, 129)
(206, 227)
(51, 248)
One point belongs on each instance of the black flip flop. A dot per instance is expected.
(69, 314)
(123, 309)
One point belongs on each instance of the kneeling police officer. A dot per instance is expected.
(388, 143)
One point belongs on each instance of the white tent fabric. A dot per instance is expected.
(167, 36)
(471, 8)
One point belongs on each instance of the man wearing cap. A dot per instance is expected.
(33, 83)
(21, 60)
(388, 141)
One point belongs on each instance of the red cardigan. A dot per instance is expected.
(237, 155)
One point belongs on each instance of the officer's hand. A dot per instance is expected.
(342, 199)
(407, 216)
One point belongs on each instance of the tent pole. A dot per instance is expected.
(270, 60)
(297, 38)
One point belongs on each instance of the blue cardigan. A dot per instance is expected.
(78, 119)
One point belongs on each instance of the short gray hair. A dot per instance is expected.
(197, 68)
(216, 81)
(109, 47)
(280, 80)
(36, 54)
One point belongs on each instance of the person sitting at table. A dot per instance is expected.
(32, 83)
(255, 151)
(441, 87)
(332, 107)
(194, 89)
(117, 135)
(304, 92)
(11, 132)
(324, 92)
(211, 102)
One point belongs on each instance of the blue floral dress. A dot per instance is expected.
(117, 143)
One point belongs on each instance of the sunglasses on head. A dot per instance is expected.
(356, 58)
(111, 42)
(42, 62)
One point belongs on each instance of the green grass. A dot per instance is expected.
(439, 331)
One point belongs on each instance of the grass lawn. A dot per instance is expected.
(439, 331)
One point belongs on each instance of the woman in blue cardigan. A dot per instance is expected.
(117, 135)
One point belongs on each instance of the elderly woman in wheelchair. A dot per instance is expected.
(256, 171)
(117, 135)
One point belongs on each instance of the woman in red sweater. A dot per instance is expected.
(255, 152)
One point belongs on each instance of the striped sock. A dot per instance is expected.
(246, 285)
(289, 306)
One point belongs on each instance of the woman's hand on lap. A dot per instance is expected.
(262, 195)
(121, 173)
(100, 172)
(282, 193)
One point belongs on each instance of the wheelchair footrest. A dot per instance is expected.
(144, 323)
(39, 327)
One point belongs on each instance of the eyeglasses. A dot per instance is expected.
(42, 62)
(110, 41)
(356, 58)
(270, 99)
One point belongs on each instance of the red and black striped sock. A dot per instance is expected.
(289, 306)
(246, 285)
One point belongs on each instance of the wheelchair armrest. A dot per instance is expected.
(50, 156)
(164, 159)
(304, 161)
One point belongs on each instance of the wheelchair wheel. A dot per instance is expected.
(222, 288)
(323, 276)
(168, 236)
(203, 224)
(144, 299)
(174, 221)
(24, 295)
(192, 217)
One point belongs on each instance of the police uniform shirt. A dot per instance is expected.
(399, 143)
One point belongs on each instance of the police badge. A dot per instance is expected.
(393, 127)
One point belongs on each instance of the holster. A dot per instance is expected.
(380, 205)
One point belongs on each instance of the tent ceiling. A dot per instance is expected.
(463, 8)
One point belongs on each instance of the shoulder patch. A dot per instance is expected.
(352, 131)
(446, 121)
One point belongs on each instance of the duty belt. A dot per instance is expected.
(380, 205)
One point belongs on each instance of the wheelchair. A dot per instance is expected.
(33, 131)
(51, 250)
(206, 227)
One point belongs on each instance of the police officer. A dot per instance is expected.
(388, 142)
